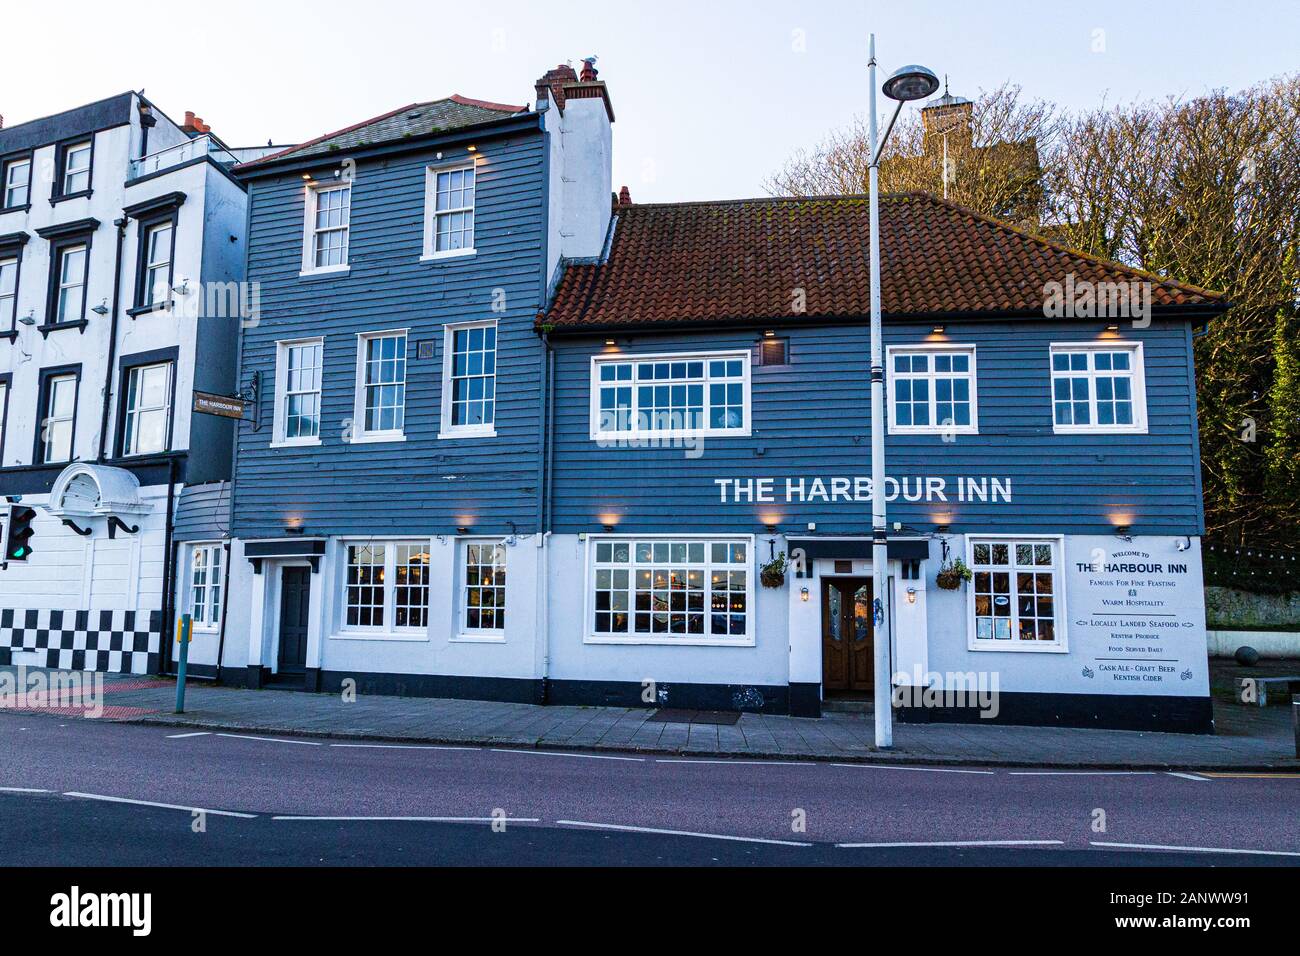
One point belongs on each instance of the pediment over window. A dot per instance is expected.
(83, 490)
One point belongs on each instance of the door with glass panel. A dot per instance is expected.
(848, 635)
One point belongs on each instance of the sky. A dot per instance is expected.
(711, 96)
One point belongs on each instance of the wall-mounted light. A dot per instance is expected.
(471, 149)
(911, 595)
(306, 177)
(1122, 531)
(610, 343)
(462, 529)
(941, 528)
(101, 309)
(937, 330)
(28, 319)
(803, 594)
(1112, 328)
(769, 334)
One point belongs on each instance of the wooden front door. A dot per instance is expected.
(848, 635)
(295, 596)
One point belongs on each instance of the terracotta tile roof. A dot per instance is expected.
(743, 260)
(414, 119)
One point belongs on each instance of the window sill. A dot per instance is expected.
(488, 432)
(80, 194)
(379, 636)
(667, 641)
(79, 325)
(477, 639)
(140, 310)
(615, 438)
(325, 273)
(309, 443)
(375, 439)
(1013, 647)
(11, 335)
(453, 254)
(1098, 430)
(931, 430)
(25, 207)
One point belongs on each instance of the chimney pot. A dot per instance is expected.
(189, 117)
(624, 197)
(588, 70)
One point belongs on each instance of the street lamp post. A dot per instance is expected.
(907, 83)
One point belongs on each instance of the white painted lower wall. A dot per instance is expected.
(1271, 644)
(70, 573)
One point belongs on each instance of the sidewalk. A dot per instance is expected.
(1248, 738)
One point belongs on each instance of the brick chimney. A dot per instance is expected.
(194, 125)
(577, 116)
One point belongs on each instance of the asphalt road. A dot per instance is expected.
(92, 793)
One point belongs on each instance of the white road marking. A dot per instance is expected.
(1192, 849)
(1188, 776)
(886, 766)
(688, 833)
(950, 843)
(272, 740)
(22, 790)
(197, 733)
(741, 763)
(1081, 773)
(404, 747)
(161, 806)
(411, 819)
(561, 753)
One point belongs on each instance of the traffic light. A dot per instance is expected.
(18, 540)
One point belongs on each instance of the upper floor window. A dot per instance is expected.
(666, 395)
(1098, 388)
(8, 292)
(75, 169)
(380, 411)
(469, 379)
(156, 252)
(298, 392)
(1015, 594)
(147, 409)
(17, 183)
(933, 389)
(449, 212)
(329, 210)
(72, 263)
(58, 417)
(205, 585)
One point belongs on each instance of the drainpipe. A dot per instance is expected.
(112, 340)
(225, 602)
(543, 514)
(169, 551)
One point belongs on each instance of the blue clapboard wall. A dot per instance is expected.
(424, 485)
(812, 418)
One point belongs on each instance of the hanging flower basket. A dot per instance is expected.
(772, 574)
(952, 574)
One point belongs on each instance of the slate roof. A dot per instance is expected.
(414, 119)
(715, 262)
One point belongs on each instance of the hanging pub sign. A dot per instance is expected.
(227, 406)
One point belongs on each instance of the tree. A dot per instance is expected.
(992, 146)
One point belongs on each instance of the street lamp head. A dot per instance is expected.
(911, 82)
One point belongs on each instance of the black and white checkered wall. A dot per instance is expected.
(122, 642)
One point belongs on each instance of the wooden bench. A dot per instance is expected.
(1262, 685)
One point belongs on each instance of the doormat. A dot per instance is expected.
(670, 715)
